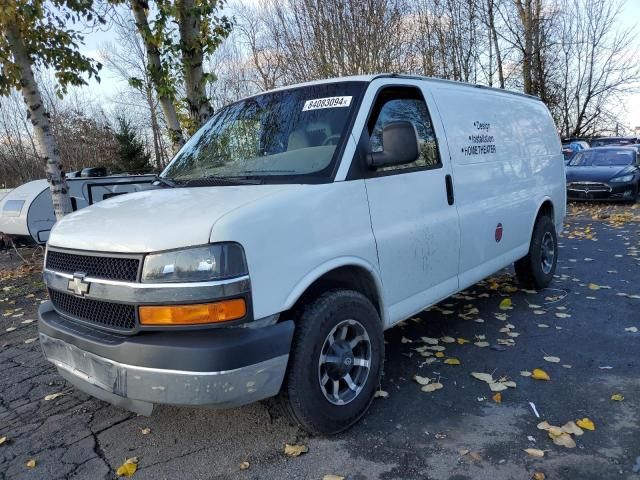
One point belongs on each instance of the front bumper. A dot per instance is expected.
(624, 192)
(222, 368)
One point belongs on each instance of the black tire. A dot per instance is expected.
(636, 196)
(302, 398)
(535, 270)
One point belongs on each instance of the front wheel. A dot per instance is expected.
(536, 270)
(335, 363)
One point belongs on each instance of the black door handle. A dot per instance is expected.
(449, 183)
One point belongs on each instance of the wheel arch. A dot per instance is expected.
(351, 273)
(545, 207)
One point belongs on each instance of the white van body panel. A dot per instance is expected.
(506, 160)
(416, 231)
(288, 250)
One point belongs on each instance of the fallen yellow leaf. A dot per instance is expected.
(544, 425)
(462, 341)
(563, 440)
(539, 374)
(31, 463)
(586, 424)
(539, 476)
(534, 452)
(53, 396)
(593, 286)
(432, 387)
(616, 397)
(497, 397)
(506, 304)
(380, 394)
(439, 354)
(295, 450)
(452, 361)
(485, 377)
(128, 468)
(244, 465)
(497, 386)
(572, 428)
(555, 431)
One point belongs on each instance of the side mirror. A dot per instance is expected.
(399, 143)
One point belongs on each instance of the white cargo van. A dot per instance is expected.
(290, 232)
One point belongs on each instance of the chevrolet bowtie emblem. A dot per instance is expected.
(77, 285)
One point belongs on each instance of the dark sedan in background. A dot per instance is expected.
(604, 173)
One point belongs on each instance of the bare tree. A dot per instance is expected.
(598, 68)
(128, 61)
(329, 38)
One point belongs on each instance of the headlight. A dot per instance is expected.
(626, 178)
(200, 264)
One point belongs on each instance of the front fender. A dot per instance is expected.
(307, 280)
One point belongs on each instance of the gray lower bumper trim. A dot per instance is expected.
(135, 388)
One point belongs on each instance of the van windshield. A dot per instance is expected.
(286, 136)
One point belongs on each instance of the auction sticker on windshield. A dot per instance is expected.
(328, 102)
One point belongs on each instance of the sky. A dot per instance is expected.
(630, 17)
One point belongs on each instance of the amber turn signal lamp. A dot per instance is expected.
(199, 314)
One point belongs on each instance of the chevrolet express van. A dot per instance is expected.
(289, 232)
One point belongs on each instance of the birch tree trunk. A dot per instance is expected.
(525, 13)
(155, 67)
(494, 40)
(189, 22)
(45, 143)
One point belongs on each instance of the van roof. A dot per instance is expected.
(370, 78)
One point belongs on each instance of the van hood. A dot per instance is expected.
(155, 220)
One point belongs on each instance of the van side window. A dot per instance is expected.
(404, 104)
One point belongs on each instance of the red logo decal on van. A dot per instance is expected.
(498, 232)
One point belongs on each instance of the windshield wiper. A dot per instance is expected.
(214, 180)
(166, 181)
(270, 172)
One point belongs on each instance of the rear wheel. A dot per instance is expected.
(335, 363)
(536, 270)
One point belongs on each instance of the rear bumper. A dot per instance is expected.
(221, 368)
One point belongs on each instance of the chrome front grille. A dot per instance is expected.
(123, 269)
(116, 316)
(589, 187)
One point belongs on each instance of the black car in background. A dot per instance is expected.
(604, 173)
(606, 141)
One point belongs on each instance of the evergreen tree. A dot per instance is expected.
(131, 152)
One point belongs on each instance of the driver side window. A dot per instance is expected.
(405, 104)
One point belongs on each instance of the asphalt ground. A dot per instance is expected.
(585, 319)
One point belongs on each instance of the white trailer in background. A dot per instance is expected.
(27, 211)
